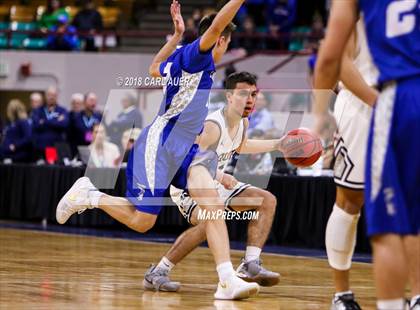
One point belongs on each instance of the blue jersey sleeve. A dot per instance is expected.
(193, 60)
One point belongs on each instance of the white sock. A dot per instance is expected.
(225, 271)
(413, 300)
(391, 304)
(94, 197)
(339, 294)
(252, 253)
(165, 264)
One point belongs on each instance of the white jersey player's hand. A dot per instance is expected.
(228, 181)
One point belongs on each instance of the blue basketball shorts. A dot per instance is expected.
(392, 193)
(162, 157)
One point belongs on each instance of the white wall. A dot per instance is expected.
(98, 72)
(72, 72)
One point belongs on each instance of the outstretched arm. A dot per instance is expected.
(220, 22)
(171, 45)
(255, 146)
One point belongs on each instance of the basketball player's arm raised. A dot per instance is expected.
(341, 23)
(352, 78)
(220, 22)
(255, 146)
(170, 46)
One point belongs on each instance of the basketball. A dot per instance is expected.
(301, 147)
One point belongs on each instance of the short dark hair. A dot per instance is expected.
(206, 22)
(240, 77)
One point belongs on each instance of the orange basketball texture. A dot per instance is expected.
(301, 147)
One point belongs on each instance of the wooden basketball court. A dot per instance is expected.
(41, 270)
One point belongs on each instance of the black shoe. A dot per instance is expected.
(345, 302)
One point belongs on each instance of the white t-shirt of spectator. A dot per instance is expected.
(108, 157)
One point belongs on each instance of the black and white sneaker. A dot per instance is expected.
(345, 302)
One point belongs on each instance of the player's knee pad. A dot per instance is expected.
(340, 238)
(208, 159)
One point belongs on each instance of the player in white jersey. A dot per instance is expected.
(393, 149)
(352, 111)
(225, 133)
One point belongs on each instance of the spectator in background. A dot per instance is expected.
(50, 18)
(128, 139)
(261, 118)
(250, 41)
(88, 20)
(76, 103)
(76, 106)
(64, 37)
(279, 12)
(190, 33)
(254, 164)
(256, 10)
(82, 123)
(312, 62)
(50, 123)
(197, 15)
(16, 145)
(274, 42)
(36, 100)
(130, 117)
(102, 152)
(317, 31)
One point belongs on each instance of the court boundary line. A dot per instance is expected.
(15, 226)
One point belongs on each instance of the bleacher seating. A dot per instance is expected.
(110, 16)
(22, 13)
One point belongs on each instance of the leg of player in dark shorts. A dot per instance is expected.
(250, 198)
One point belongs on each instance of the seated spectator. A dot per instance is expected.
(50, 18)
(255, 164)
(16, 145)
(88, 20)
(130, 117)
(128, 139)
(274, 41)
(255, 9)
(49, 123)
(249, 41)
(102, 152)
(36, 100)
(261, 118)
(64, 37)
(279, 13)
(82, 123)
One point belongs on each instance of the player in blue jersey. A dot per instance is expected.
(392, 195)
(166, 152)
